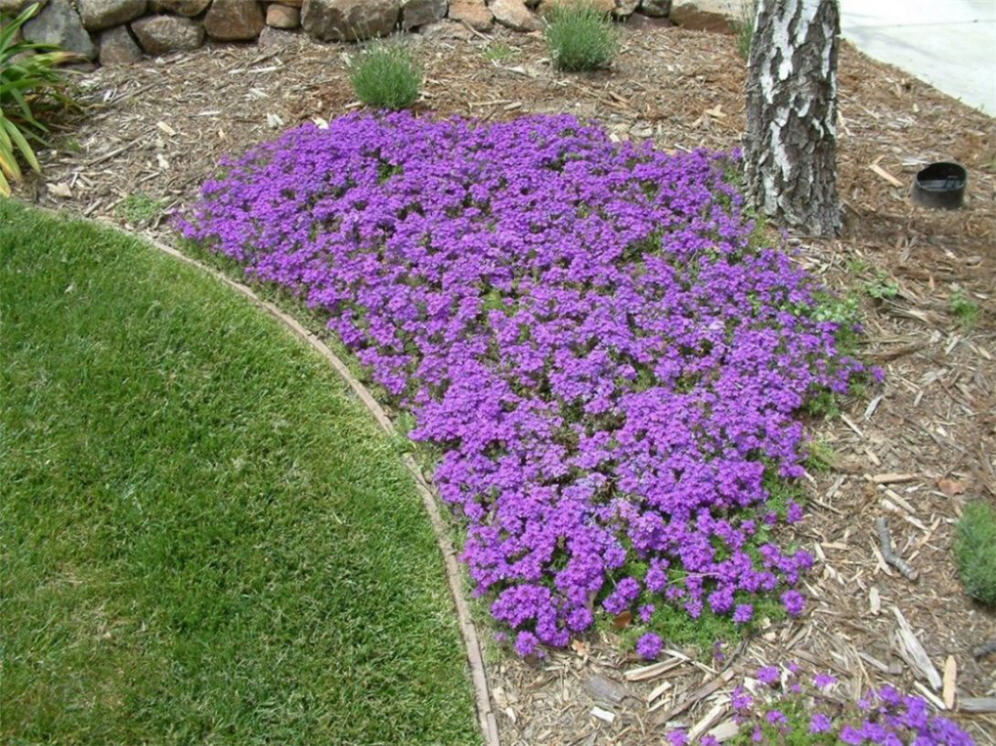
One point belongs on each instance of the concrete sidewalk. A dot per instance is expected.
(950, 44)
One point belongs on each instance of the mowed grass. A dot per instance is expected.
(205, 539)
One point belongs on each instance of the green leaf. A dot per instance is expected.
(22, 144)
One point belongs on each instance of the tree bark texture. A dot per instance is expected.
(791, 144)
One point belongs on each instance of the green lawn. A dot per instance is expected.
(205, 539)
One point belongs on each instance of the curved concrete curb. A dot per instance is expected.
(475, 659)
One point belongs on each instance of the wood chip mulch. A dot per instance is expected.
(911, 451)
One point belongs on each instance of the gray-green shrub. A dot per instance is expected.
(386, 77)
(975, 551)
(580, 37)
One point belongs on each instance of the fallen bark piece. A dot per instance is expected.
(603, 689)
(891, 478)
(977, 704)
(883, 174)
(950, 678)
(888, 555)
(652, 671)
(601, 714)
(701, 693)
(914, 652)
(707, 721)
(725, 731)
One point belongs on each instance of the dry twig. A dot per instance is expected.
(891, 557)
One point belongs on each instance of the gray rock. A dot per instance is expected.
(117, 47)
(626, 8)
(415, 13)
(165, 34)
(58, 23)
(655, 8)
(234, 20)
(14, 7)
(515, 15)
(100, 14)
(349, 20)
(187, 8)
(275, 38)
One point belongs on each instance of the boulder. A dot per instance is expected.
(472, 12)
(282, 16)
(705, 15)
(58, 23)
(655, 8)
(117, 47)
(349, 20)
(415, 13)
(165, 34)
(515, 15)
(187, 8)
(626, 8)
(275, 38)
(100, 14)
(14, 7)
(234, 20)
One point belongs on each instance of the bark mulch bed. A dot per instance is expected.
(913, 450)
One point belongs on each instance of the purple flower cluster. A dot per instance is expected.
(586, 330)
(883, 717)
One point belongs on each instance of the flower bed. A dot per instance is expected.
(586, 329)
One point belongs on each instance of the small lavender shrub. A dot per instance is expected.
(580, 37)
(609, 367)
(975, 551)
(386, 77)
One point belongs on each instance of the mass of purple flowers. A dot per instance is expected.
(608, 363)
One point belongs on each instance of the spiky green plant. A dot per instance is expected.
(28, 73)
(744, 27)
(975, 551)
(580, 36)
(386, 77)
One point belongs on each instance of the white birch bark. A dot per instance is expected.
(790, 150)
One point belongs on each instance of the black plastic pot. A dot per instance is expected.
(940, 185)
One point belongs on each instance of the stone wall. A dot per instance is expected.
(123, 31)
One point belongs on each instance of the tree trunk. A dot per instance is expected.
(791, 143)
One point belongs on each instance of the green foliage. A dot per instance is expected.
(882, 288)
(140, 209)
(206, 539)
(966, 309)
(820, 456)
(580, 37)
(499, 51)
(386, 77)
(744, 27)
(28, 74)
(975, 551)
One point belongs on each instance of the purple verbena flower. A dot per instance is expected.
(769, 675)
(649, 646)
